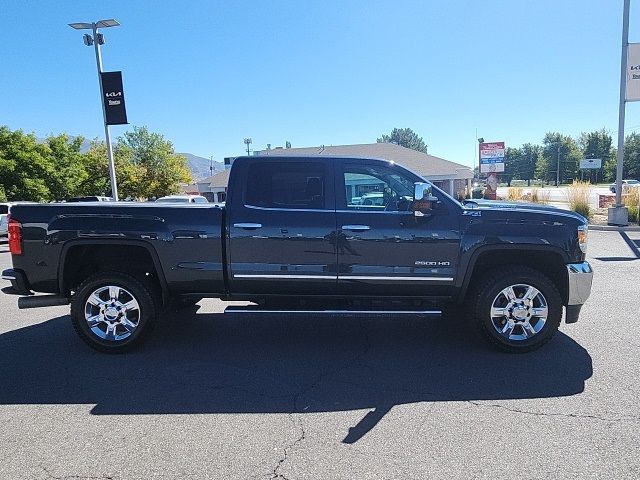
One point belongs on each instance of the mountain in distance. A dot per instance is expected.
(200, 166)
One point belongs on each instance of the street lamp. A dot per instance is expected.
(558, 168)
(247, 142)
(96, 40)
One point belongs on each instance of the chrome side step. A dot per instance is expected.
(234, 309)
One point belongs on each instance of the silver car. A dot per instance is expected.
(3, 226)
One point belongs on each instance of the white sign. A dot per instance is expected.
(633, 73)
(491, 157)
(587, 163)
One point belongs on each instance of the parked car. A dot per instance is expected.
(288, 239)
(372, 199)
(3, 226)
(629, 182)
(4, 211)
(182, 199)
(90, 198)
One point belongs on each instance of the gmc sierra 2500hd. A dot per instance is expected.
(295, 234)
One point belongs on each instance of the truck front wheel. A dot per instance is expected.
(113, 312)
(516, 308)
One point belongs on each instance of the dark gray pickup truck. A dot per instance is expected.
(314, 234)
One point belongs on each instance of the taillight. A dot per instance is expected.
(15, 236)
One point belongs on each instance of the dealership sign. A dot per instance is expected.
(115, 111)
(587, 163)
(633, 73)
(491, 157)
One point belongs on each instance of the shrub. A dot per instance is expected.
(515, 193)
(578, 195)
(631, 198)
(477, 192)
(539, 196)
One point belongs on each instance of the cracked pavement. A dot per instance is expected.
(294, 397)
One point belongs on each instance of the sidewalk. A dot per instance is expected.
(613, 228)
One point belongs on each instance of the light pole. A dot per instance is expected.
(96, 40)
(480, 142)
(619, 215)
(247, 142)
(558, 169)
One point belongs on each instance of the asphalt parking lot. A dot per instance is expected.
(231, 396)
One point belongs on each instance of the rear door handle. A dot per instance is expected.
(248, 226)
(356, 228)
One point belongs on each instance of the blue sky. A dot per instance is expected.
(207, 74)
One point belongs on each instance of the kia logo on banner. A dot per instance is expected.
(114, 108)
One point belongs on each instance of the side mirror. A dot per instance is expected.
(423, 200)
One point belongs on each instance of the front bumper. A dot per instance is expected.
(580, 276)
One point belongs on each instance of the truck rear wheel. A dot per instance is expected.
(113, 312)
(516, 308)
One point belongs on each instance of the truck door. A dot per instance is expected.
(383, 248)
(282, 227)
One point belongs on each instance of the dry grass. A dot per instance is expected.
(515, 194)
(578, 195)
(631, 198)
(539, 196)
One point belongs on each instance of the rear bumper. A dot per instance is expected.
(19, 282)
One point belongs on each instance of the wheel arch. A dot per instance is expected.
(550, 261)
(78, 248)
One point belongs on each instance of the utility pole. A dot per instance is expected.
(211, 166)
(97, 39)
(247, 142)
(619, 215)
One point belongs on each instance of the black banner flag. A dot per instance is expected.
(116, 112)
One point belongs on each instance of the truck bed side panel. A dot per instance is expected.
(186, 239)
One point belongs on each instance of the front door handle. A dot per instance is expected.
(248, 226)
(356, 228)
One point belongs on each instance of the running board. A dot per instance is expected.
(234, 309)
(37, 301)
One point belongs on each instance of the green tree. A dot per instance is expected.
(520, 162)
(631, 166)
(25, 166)
(558, 147)
(128, 174)
(69, 170)
(598, 144)
(529, 155)
(157, 169)
(405, 137)
(511, 164)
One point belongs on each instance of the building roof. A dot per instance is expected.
(429, 166)
(219, 180)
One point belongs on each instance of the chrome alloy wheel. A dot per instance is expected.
(112, 313)
(519, 312)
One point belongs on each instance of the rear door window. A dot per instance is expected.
(287, 185)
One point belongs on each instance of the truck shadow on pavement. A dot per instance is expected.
(235, 363)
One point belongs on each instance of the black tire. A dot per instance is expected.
(132, 287)
(489, 289)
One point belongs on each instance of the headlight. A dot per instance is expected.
(583, 230)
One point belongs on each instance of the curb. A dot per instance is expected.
(613, 228)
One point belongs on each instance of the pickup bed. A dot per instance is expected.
(296, 234)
